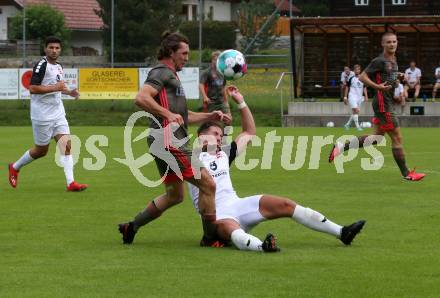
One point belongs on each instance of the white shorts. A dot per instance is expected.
(355, 103)
(246, 211)
(45, 131)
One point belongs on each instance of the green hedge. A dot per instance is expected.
(215, 34)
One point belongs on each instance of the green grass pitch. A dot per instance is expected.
(59, 244)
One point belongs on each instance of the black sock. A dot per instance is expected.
(209, 226)
(361, 141)
(145, 216)
(399, 157)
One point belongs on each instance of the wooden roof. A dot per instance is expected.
(428, 24)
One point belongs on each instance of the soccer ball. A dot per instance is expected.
(330, 124)
(231, 64)
(366, 124)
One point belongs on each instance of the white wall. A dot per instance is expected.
(221, 9)
(7, 12)
(91, 39)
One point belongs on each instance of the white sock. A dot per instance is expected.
(356, 120)
(24, 160)
(244, 241)
(316, 221)
(349, 121)
(67, 162)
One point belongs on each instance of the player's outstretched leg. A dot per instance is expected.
(129, 229)
(28, 157)
(349, 232)
(399, 157)
(338, 147)
(272, 207)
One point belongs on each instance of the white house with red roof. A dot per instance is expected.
(80, 17)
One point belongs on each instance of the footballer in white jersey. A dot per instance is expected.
(354, 94)
(46, 107)
(437, 83)
(48, 115)
(345, 76)
(412, 79)
(235, 215)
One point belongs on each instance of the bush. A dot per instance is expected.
(215, 34)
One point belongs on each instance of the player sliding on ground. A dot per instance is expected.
(383, 76)
(48, 115)
(236, 216)
(163, 96)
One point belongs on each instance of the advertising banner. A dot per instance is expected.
(25, 74)
(189, 76)
(24, 79)
(8, 83)
(71, 80)
(108, 83)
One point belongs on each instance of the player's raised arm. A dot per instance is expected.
(194, 117)
(247, 120)
(145, 100)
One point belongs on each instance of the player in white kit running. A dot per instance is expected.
(48, 115)
(345, 76)
(236, 216)
(355, 93)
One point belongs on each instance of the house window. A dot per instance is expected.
(184, 14)
(399, 2)
(361, 2)
(195, 12)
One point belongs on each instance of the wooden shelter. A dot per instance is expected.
(325, 45)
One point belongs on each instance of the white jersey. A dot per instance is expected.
(413, 74)
(356, 88)
(437, 72)
(345, 77)
(398, 90)
(218, 167)
(47, 107)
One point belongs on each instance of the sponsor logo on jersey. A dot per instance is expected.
(213, 166)
(180, 91)
(219, 174)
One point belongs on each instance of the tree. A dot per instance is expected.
(41, 21)
(252, 18)
(138, 26)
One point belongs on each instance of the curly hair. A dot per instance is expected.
(170, 43)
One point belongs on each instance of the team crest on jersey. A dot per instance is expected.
(213, 165)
